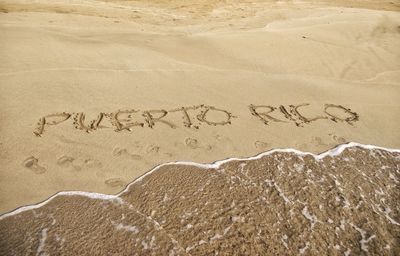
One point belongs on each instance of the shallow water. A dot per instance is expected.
(343, 202)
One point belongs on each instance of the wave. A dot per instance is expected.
(280, 201)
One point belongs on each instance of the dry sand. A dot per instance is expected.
(94, 57)
(281, 203)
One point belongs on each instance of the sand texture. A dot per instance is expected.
(280, 203)
(95, 93)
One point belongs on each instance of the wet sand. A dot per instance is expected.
(283, 202)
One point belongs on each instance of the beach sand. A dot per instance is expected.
(93, 94)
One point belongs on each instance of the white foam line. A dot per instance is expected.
(62, 193)
(332, 152)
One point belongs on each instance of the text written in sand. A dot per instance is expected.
(195, 116)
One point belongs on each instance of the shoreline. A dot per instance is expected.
(331, 152)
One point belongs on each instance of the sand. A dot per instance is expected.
(91, 92)
(94, 94)
(283, 202)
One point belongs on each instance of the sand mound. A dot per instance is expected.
(282, 202)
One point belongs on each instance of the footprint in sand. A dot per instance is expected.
(32, 163)
(119, 151)
(67, 161)
(337, 139)
(91, 163)
(123, 151)
(261, 144)
(114, 182)
(152, 149)
(192, 143)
